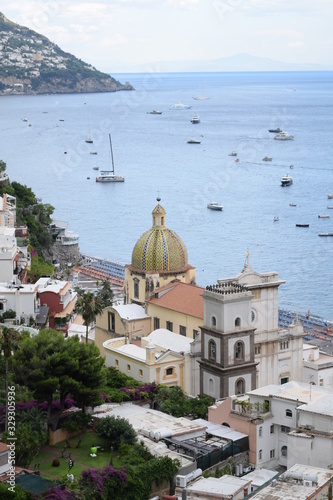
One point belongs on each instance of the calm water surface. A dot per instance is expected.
(153, 155)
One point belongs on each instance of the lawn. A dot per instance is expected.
(81, 457)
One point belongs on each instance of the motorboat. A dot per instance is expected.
(284, 136)
(196, 119)
(180, 106)
(267, 158)
(292, 205)
(154, 112)
(96, 168)
(93, 152)
(286, 180)
(291, 166)
(302, 225)
(276, 218)
(193, 141)
(109, 175)
(233, 153)
(324, 216)
(330, 206)
(275, 130)
(237, 160)
(325, 234)
(215, 206)
(330, 196)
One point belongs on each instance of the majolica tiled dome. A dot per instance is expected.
(159, 248)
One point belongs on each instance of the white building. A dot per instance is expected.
(278, 352)
(300, 482)
(317, 366)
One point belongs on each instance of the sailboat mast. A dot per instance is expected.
(111, 154)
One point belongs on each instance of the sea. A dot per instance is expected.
(48, 153)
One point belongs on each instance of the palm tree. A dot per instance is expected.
(88, 306)
(8, 343)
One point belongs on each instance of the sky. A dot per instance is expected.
(135, 35)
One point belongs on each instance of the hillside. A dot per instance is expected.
(31, 64)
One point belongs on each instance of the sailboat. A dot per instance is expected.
(200, 97)
(109, 175)
(89, 139)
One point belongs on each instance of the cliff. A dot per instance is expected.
(31, 64)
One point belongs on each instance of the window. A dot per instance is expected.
(257, 350)
(182, 330)
(284, 451)
(169, 372)
(239, 350)
(260, 454)
(136, 288)
(284, 380)
(272, 453)
(129, 368)
(116, 363)
(212, 350)
(272, 429)
(140, 373)
(256, 294)
(213, 321)
(211, 386)
(253, 315)
(111, 322)
(195, 333)
(240, 386)
(285, 429)
(156, 323)
(237, 322)
(289, 413)
(169, 326)
(284, 345)
(162, 221)
(260, 432)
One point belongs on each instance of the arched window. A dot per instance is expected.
(260, 431)
(213, 321)
(239, 351)
(212, 350)
(284, 451)
(240, 386)
(136, 288)
(211, 386)
(289, 413)
(237, 322)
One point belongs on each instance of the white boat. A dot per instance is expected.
(276, 218)
(196, 118)
(215, 206)
(292, 205)
(323, 216)
(109, 175)
(330, 196)
(330, 206)
(325, 234)
(93, 152)
(180, 106)
(154, 112)
(284, 136)
(233, 153)
(286, 180)
(267, 158)
(200, 96)
(193, 141)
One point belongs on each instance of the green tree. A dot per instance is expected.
(172, 400)
(18, 494)
(105, 294)
(49, 364)
(3, 166)
(116, 431)
(9, 338)
(27, 444)
(36, 419)
(88, 306)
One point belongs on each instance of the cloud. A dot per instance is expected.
(279, 33)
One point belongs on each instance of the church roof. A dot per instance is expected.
(180, 297)
(164, 339)
(159, 248)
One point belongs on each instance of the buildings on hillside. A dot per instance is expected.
(287, 424)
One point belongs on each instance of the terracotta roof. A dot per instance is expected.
(180, 297)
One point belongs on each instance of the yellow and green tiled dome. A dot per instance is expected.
(159, 248)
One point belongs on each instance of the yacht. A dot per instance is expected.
(330, 196)
(267, 158)
(233, 153)
(215, 206)
(109, 176)
(276, 218)
(286, 180)
(193, 141)
(154, 112)
(275, 130)
(324, 216)
(196, 119)
(284, 136)
(180, 106)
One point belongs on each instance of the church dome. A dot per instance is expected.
(159, 248)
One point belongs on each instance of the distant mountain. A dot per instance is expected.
(238, 62)
(31, 64)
